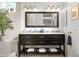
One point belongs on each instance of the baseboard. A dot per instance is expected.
(13, 55)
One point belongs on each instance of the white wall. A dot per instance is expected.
(41, 6)
(73, 26)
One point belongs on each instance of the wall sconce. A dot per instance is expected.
(34, 8)
(25, 7)
(52, 6)
(30, 7)
(48, 8)
(57, 7)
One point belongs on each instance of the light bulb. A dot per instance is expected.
(48, 7)
(52, 7)
(25, 7)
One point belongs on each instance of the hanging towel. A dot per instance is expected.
(69, 40)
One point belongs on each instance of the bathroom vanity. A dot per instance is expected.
(41, 40)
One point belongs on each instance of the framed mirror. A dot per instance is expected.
(41, 19)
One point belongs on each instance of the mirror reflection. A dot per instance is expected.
(36, 19)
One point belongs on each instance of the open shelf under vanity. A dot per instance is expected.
(37, 53)
(38, 41)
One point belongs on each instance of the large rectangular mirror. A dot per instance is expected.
(41, 19)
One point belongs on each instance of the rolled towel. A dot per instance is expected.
(42, 50)
(69, 40)
(53, 50)
(30, 50)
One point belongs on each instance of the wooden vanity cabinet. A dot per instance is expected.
(41, 40)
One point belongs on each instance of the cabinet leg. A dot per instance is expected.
(19, 55)
(18, 49)
(64, 50)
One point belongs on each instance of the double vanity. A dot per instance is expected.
(45, 41)
(41, 42)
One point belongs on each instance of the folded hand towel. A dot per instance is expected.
(53, 50)
(30, 50)
(42, 50)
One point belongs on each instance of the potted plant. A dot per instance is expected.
(5, 22)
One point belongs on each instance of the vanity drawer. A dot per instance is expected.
(47, 42)
(50, 36)
(41, 39)
(24, 36)
(27, 42)
(41, 42)
(55, 36)
(55, 42)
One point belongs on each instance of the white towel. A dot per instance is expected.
(42, 50)
(30, 50)
(53, 50)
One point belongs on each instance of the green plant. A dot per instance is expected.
(5, 22)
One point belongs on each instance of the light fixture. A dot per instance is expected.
(25, 7)
(34, 8)
(52, 7)
(30, 7)
(57, 7)
(48, 7)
